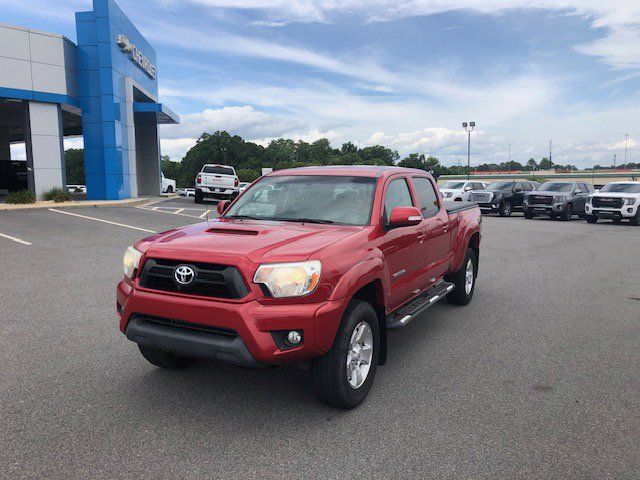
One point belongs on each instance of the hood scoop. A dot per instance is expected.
(232, 231)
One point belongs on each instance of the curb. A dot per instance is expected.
(83, 203)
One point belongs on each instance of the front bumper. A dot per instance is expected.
(627, 211)
(489, 207)
(254, 322)
(543, 208)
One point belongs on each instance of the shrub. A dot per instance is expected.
(247, 175)
(22, 196)
(57, 194)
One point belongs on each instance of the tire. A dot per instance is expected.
(198, 197)
(165, 359)
(169, 189)
(635, 220)
(505, 209)
(553, 216)
(567, 213)
(591, 218)
(462, 295)
(528, 215)
(329, 372)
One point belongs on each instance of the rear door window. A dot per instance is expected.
(427, 197)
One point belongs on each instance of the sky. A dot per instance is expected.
(403, 74)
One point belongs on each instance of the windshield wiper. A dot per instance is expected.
(302, 220)
(243, 217)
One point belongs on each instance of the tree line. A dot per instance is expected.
(249, 158)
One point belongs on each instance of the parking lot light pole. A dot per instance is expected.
(469, 128)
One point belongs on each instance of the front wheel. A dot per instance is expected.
(568, 212)
(343, 376)
(635, 220)
(591, 219)
(464, 280)
(505, 209)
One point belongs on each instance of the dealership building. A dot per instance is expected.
(104, 88)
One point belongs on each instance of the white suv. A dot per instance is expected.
(616, 200)
(460, 191)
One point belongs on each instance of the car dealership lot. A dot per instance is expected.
(536, 378)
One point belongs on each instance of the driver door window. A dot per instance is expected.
(398, 195)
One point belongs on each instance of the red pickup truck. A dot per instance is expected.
(308, 265)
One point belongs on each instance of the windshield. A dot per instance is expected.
(452, 185)
(500, 186)
(555, 187)
(621, 187)
(309, 198)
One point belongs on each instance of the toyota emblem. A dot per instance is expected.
(184, 274)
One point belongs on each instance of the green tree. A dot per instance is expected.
(171, 169)
(74, 164)
(247, 175)
(546, 164)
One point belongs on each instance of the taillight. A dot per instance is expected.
(235, 182)
(199, 179)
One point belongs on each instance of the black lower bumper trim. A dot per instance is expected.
(191, 343)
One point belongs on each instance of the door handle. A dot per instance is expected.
(445, 229)
(421, 237)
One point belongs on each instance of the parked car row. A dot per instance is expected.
(562, 200)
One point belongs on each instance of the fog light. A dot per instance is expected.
(294, 337)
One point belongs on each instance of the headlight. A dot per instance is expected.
(289, 279)
(559, 199)
(131, 261)
(630, 201)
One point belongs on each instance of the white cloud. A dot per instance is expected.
(619, 47)
(176, 148)
(244, 121)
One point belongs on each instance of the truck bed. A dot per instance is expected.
(455, 207)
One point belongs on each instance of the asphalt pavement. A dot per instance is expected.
(536, 378)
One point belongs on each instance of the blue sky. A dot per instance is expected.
(401, 73)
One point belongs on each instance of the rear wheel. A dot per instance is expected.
(198, 197)
(343, 376)
(464, 280)
(568, 212)
(169, 189)
(505, 209)
(591, 219)
(164, 358)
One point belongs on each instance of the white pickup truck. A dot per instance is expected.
(617, 201)
(216, 181)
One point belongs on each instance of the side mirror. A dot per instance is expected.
(517, 190)
(578, 192)
(404, 217)
(222, 206)
(467, 189)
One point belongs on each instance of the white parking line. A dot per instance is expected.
(204, 214)
(180, 210)
(103, 221)
(168, 213)
(17, 240)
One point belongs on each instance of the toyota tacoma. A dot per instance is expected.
(310, 266)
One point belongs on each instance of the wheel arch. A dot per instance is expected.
(373, 293)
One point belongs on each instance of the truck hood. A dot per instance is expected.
(258, 241)
(614, 194)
